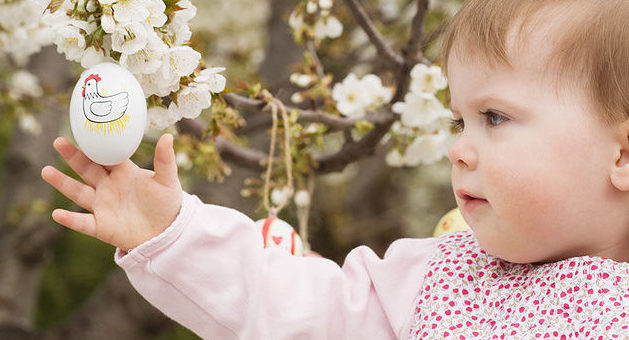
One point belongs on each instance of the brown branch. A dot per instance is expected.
(353, 150)
(412, 52)
(310, 47)
(239, 155)
(375, 37)
(333, 122)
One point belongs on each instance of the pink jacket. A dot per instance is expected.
(209, 272)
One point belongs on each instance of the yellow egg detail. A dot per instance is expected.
(114, 127)
(450, 222)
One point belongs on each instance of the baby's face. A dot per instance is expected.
(531, 166)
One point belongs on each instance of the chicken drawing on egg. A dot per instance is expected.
(108, 113)
(104, 113)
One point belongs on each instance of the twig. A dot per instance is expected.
(239, 155)
(412, 52)
(351, 151)
(334, 122)
(375, 37)
(310, 47)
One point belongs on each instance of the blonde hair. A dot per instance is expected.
(590, 42)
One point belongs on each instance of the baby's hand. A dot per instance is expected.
(128, 205)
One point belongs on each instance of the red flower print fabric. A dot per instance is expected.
(468, 294)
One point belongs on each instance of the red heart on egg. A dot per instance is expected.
(277, 239)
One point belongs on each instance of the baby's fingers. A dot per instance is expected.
(91, 172)
(81, 222)
(78, 192)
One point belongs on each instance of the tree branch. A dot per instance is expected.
(310, 47)
(334, 122)
(351, 151)
(375, 37)
(354, 150)
(412, 52)
(239, 155)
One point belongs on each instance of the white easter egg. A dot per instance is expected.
(108, 113)
(279, 234)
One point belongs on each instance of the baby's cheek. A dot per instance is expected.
(522, 194)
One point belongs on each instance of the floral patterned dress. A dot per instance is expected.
(468, 294)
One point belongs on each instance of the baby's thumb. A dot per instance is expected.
(164, 161)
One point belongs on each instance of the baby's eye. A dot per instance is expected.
(494, 118)
(457, 125)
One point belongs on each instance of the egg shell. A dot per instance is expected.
(276, 233)
(108, 113)
(450, 222)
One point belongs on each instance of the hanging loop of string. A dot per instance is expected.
(277, 105)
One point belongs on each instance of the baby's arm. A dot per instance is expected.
(210, 272)
(126, 205)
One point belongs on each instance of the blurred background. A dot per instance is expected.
(58, 284)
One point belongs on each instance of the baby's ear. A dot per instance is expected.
(620, 170)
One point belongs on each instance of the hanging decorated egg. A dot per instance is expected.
(279, 234)
(108, 113)
(450, 222)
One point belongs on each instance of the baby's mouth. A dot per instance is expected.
(470, 201)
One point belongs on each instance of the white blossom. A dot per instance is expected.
(159, 117)
(191, 100)
(427, 79)
(55, 20)
(158, 84)
(295, 21)
(328, 27)
(178, 32)
(301, 80)
(420, 110)
(20, 13)
(302, 198)
(107, 21)
(325, 4)
(297, 98)
(24, 83)
(129, 38)
(70, 42)
(92, 56)
(183, 160)
(126, 11)
(91, 6)
(350, 98)
(311, 7)
(187, 12)
(427, 149)
(180, 61)
(107, 2)
(395, 159)
(146, 60)
(373, 86)
(210, 76)
(355, 96)
(280, 196)
(29, 124)
(156, 17)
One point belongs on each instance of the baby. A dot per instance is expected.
(540, 170)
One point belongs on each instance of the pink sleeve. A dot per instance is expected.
(209, 272)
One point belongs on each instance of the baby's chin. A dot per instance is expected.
(507, 250)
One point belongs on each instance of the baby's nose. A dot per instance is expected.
(462, 154)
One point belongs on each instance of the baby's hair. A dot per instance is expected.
(590, 42)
